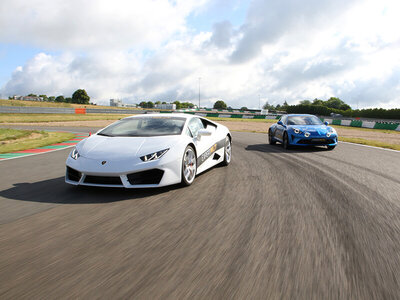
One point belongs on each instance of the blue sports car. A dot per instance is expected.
(302, 130)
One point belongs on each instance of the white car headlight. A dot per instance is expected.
(75, 154)
(154, 155)
(306, 134)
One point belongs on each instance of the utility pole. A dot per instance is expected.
(199, 91)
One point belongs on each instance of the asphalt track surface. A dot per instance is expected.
(274, 224)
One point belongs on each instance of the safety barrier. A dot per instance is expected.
(207, 113)
(365, 124)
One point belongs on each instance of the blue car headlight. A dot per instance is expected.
(75, 154)
(297, 131)
(330, 131)
(154, 155)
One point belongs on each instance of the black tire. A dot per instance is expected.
(285, 142)
(189, 164)
(271, 141)
(330, 147)
(227, 152)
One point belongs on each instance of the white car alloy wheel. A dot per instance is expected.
(227, 152)
(189, 166)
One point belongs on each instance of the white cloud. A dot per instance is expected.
(93, 24)
(286, 50)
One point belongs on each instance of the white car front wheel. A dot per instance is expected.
(189, 166)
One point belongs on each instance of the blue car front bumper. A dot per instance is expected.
(312, 140)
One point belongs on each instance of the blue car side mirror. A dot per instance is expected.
(280, 123)
(326, 123)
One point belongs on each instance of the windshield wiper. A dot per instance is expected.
(104, 134)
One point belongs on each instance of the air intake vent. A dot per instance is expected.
(73, 175)
(109, 180)
(153, 176)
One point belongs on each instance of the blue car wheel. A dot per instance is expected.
(270, 138)
(286, 144)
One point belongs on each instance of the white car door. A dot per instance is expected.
(204, 144)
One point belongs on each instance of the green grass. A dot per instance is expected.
(39, 118)
(30, 139)
(5, 102)
(364, 129)
(13, 134)
(370, 143)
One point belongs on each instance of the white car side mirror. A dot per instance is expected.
(203, 132)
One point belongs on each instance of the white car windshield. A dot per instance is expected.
(145, 126)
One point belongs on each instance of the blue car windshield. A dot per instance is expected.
(145, 126)
(304, 120)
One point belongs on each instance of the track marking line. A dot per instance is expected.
(387, 149)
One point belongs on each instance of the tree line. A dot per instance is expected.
(80, 96)
(335, 106)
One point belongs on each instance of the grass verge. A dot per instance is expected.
(30, 139)
(5, 102)
(364, 129)
(370, 143)
(40, 118)
(13, 134)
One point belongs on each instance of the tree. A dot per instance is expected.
(150, 104)
(305, 102)
(317, 101)
(143, 104)
(244, 108)
(268, 106)
(177, 103)
(32, 95)
(68, 100)
(220, 105)
(80, 96)
(336, 103)
(158, 102)
(45, 98)
(60, 99)
(52, 98)
(164, 102)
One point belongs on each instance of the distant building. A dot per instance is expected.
(129, 105)
(166, 106)
(116, 102)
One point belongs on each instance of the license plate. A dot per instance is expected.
(318, 140)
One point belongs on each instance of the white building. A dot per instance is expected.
(166, 106)
(116, 102)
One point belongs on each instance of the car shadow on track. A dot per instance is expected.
(268, 148)
(58, 192)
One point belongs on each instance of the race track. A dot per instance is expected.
(274, 224)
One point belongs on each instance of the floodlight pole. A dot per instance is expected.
(199, 91)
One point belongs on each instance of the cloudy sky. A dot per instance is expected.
(243, 50)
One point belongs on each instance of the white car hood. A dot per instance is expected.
(120, 148)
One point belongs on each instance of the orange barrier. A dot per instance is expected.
(80, 110)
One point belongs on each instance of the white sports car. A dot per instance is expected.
(149, 151)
